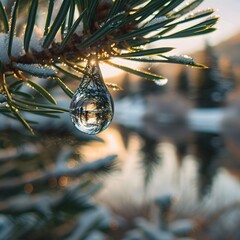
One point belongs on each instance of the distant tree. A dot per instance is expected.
(210, 92)
(211, 86)
(183, 85)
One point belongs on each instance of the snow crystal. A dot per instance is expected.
(36, 69)
(156, 20)
(17, 48)
(199, 13)
(182, 59)
(36, 40)
(212, 17)
(115, 23)
(119, 13)
(3, 48)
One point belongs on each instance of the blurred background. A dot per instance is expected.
(183, 138)
(177, 170)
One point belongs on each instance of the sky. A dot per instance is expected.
(228, 25)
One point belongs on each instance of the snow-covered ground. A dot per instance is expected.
(130, 112)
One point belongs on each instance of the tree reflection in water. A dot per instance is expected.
(142, 158)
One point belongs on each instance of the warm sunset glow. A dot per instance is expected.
(112, 144)
(109, 71)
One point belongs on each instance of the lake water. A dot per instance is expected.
(176, 169)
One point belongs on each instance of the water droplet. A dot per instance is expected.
(161, 82)
(91, 108)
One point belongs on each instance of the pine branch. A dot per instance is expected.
(100, 165)
(70, 195)
(113, 29)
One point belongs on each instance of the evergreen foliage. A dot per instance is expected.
(57, 47)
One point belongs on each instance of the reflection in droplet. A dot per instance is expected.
(91, 108)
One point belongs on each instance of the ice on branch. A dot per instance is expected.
(17, 48)
(36, 70)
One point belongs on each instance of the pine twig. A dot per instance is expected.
(39, 178)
